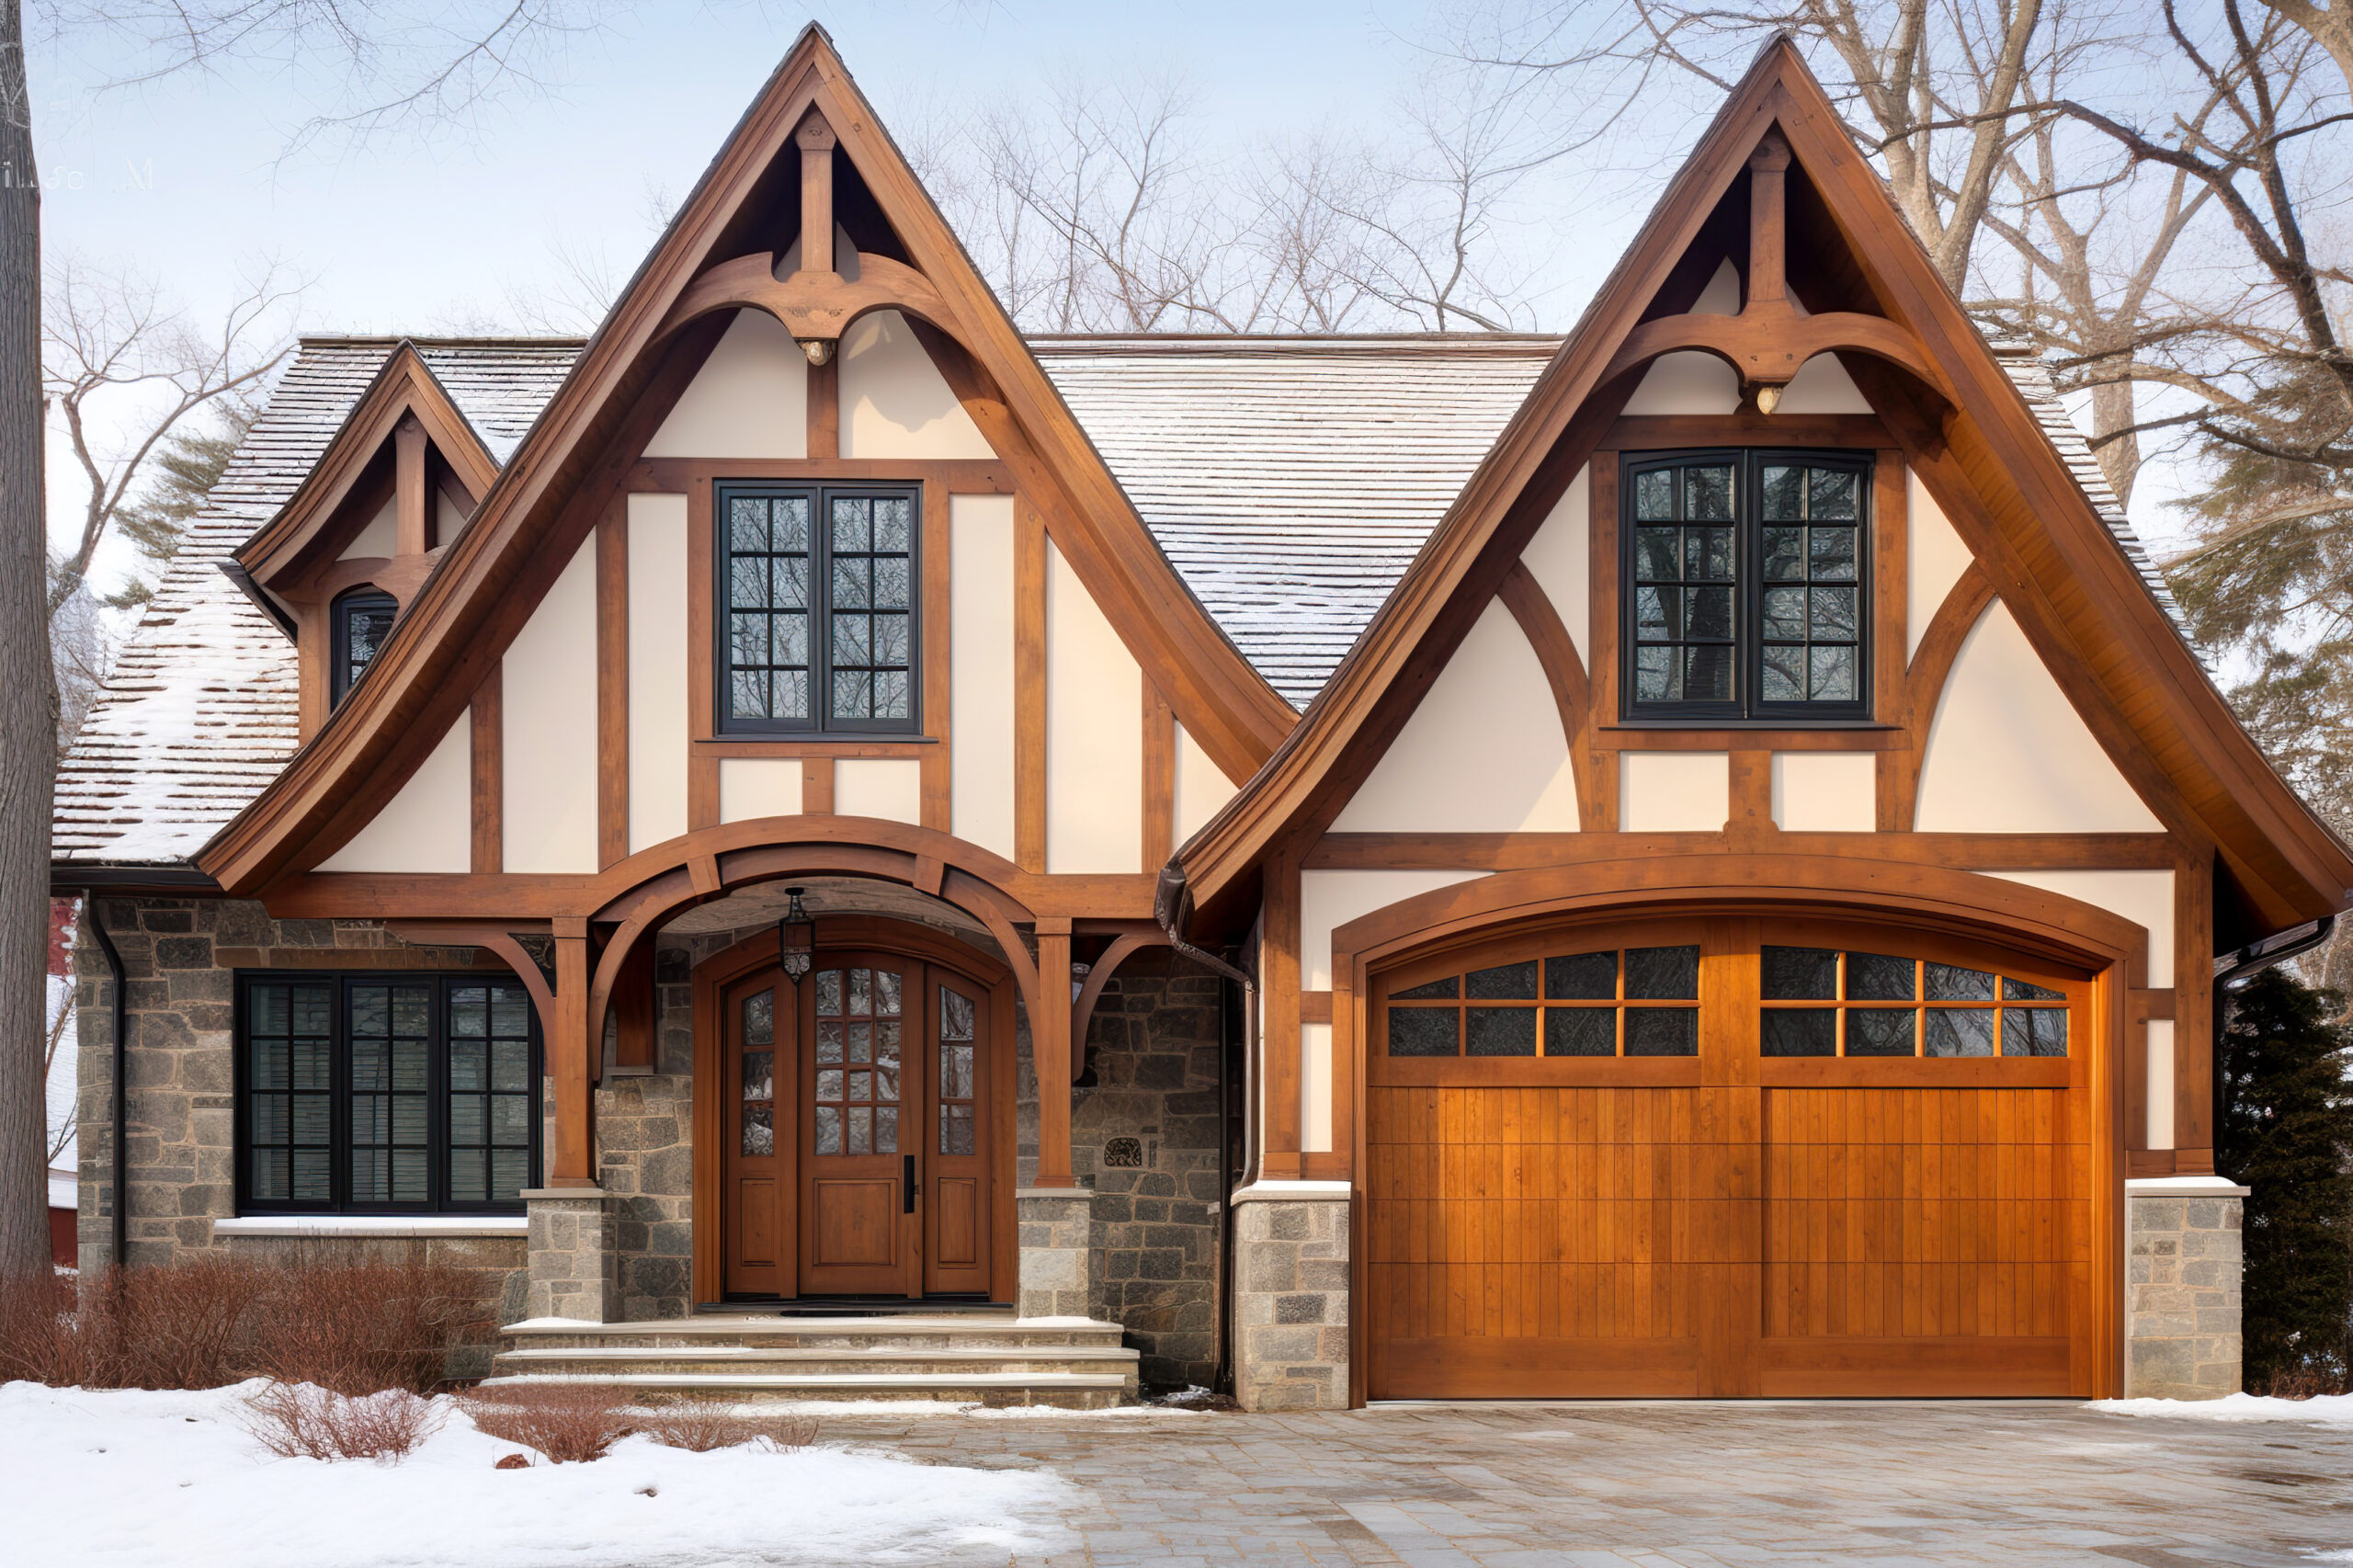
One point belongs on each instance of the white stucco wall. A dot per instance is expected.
(1825, 791)
(2007, 752)
(1561, 560)
(1328, 900)
(1823, 386)
(1722, 296)
(1314, 1087)
(758, 787)
(1094, 733)
(979, 670)
(378, 540)
(1935, 557)
(895, 403)
(1673, 791)
(1483, 753)
(1687, 381)
(658, 593)
(749, 400)
(1202, 788)
(428, 826)
(548, 703)
(888, 788)
(448, 518)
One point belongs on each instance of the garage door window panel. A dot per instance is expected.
(1619, 1002)
(1952, 1016)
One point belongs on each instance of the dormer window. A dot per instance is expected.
(820, 587)
(1746, 586)
(363, 620)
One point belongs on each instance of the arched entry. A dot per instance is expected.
(854, 1130)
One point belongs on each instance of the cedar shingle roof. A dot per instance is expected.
(1290, 482)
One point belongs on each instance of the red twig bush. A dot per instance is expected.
(701, 1425)
(176, 1327)
(357, 1326)
(570, 1423)
(305, 1420)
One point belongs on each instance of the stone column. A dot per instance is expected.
(575, 1267)
(1059, 1262)
(2181, 1289)
(1290, 1295)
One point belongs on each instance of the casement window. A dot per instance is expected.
(374, 1093)
(362, 620)
(1746, 587)
(819, 586)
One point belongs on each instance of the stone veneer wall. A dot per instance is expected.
(1291, 1296)
(1152, 1045)
(2183, 1261)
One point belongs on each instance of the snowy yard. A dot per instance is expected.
(130, 1477)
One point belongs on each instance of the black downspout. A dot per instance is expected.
(1171, 906)
(120, 1149)
(2231, 975)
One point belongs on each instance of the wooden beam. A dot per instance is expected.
(815, 138)
(817, 786)
(412, 496)
(825, 411)
(1527, 851)
(2193, 1014)
(1051, 1045)
(1029, 688)
(572, 1070)
(938, 800)
(1280, 1053)
(486, 715)
(638, 1037)
(612, 684)
(1768, 223)
(1159, 778)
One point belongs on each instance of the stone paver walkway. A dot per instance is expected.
(1660, 1484)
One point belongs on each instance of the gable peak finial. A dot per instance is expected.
(815, 135)
(1772, 153)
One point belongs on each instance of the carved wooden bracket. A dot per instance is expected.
(816, 307)
(1082, 1010)
(1767, 343)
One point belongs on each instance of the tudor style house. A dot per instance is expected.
(823, 846)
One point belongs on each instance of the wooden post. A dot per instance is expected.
(815, 140)
(572, 1149)
(1050, 1052)
(411, 500)
(1767, 225)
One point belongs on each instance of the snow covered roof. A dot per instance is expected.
(1290, 482)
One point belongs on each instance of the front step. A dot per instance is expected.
(977, 1359)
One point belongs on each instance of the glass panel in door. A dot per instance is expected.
(856, 1191)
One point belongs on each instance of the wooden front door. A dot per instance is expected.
(859, 1158)
(1729, 1157)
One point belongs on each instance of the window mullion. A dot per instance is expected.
(821, 610)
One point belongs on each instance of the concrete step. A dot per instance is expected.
(986, 1359)
(1071, 1391)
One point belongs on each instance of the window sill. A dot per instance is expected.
(392, 1226)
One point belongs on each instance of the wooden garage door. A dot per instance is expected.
(1728, 1157)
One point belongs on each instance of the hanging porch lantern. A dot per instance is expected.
(796, 937)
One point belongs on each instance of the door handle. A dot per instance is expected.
(907, 1183)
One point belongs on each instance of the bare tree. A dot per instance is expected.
(391, 65)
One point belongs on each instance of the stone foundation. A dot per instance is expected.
(2181, 1293)
(575, 1266)
(1291, 1296)
(1061, 1267)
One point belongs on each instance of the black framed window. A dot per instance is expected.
(362, 620)
(371, 1093)
(820, 586)
(1746, 585)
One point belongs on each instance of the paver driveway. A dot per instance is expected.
(1446, 1487)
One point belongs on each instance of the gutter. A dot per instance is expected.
(119, 1147)
(1172, 908)
(2233, 974)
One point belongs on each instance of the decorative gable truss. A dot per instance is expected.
(807, 319)
(390, 493)
(1514, 733)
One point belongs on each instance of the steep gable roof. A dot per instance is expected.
(1968, 434)
(565, 470)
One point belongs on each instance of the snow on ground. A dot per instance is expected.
(130, 1477)
(2329, 1409)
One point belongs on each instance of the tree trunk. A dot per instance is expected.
(27, 687)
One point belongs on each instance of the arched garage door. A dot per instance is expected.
(1725, 1157)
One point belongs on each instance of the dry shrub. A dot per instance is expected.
(2300, 1383)
(301, 1421)
(570, 1423)
(175, 1327)
(355, 1326)
(701, 1425)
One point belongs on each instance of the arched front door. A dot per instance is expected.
(856, 1112)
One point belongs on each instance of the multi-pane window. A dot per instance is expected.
(1746, 585)
(858, 1030)
(1828, 1002)
(362, 620)
(1619, 1002)
(819, 586)
(405, 1094)
(959, 1099)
